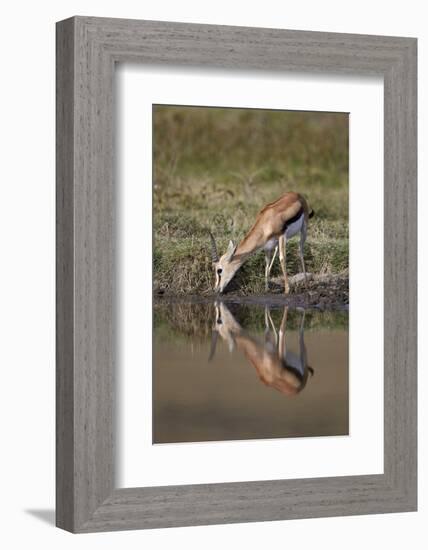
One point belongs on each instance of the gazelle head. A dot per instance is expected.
(224, 267)
(226, 326)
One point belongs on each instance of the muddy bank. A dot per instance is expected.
(324, 292)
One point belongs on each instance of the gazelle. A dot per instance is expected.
(277, 222)
(276, 365)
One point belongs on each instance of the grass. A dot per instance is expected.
(215, 168)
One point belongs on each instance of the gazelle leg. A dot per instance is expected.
(273, 258)
(302, 321)
(270, 324)
(282, 331)
(301, 246)
(266, 319)
(302, 346)
(282, 260)
(268, 255)
(269, 258)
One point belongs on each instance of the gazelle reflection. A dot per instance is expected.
(276, 366)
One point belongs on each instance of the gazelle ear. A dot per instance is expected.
(231, 249)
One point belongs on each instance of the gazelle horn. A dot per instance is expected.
(214, 253)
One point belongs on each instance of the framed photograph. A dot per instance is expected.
(236, 274)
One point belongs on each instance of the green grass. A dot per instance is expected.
(215, 168)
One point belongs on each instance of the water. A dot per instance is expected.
(235, 371)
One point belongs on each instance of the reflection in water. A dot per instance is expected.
(222, 399)
(276, 365)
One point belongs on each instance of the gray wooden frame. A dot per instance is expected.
(87, 50)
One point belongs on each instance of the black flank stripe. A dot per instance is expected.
(292, 220)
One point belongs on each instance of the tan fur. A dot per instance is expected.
(269, 365)
(269, 224)
(269, 362)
